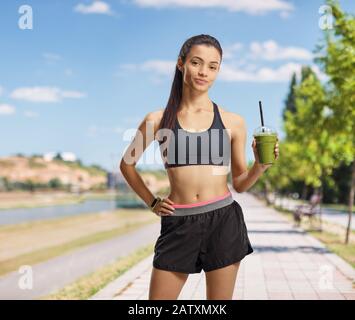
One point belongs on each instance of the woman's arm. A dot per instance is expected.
(144, 136)
(248, 178)
(242, 178)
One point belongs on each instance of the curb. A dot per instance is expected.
(125, 280)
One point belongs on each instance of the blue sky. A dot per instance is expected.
(88, 71)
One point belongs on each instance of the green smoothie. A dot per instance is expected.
(266, 139)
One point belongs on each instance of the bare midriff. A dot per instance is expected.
(197, 183)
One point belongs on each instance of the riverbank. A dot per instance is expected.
(19, 199)
(33, 242)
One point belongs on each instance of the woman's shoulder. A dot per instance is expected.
(155, 115)
(231, 119)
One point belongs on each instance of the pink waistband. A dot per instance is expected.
(201, 203)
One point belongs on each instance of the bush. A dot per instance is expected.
(55, 184)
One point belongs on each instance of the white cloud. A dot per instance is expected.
(131, 120)
(44, 94)
(284, 14)
(253, 7)
(6, 109)
(95, 130)
(270, 50)
(72, 94)
(68, 72)
(51, 57)
(159, 67)
(128, 67)
(163, 67)
(228, 51)
(128, 122)
(30, 114)
(92, 131)
(233, 71)
(244, 63)
(264, 74)
(97, 7)
(119, 129)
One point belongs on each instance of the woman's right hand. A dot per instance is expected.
(164, 208)
(256, 156)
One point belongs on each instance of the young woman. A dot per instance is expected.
(202, 227)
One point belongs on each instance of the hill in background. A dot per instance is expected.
(36, 172)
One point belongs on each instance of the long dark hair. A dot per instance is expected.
(169, 115)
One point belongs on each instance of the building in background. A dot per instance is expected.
(115, 180)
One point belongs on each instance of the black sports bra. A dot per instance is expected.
(185, 148)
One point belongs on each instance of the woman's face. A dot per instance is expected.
(202, 62)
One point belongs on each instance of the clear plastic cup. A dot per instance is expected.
(266, 138)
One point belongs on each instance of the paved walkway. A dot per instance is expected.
(286, 264)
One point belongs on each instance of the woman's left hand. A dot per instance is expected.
(257, 161)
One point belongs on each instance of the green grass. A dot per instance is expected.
(53, 251)
(334, 241)
(334, 206)
(340, 207)
(92, 170)
(88, 285)
(335, 244)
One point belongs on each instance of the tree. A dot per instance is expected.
(55, 183)
(290, 100)
(336, 55)
(58, 156)
(316, 148)
(305, 72)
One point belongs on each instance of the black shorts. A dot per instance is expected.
(206, 235)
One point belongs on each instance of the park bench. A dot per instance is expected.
(310, 210)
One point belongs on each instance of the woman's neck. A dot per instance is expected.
(195, 103)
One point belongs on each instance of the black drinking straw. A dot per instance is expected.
(261, 115)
